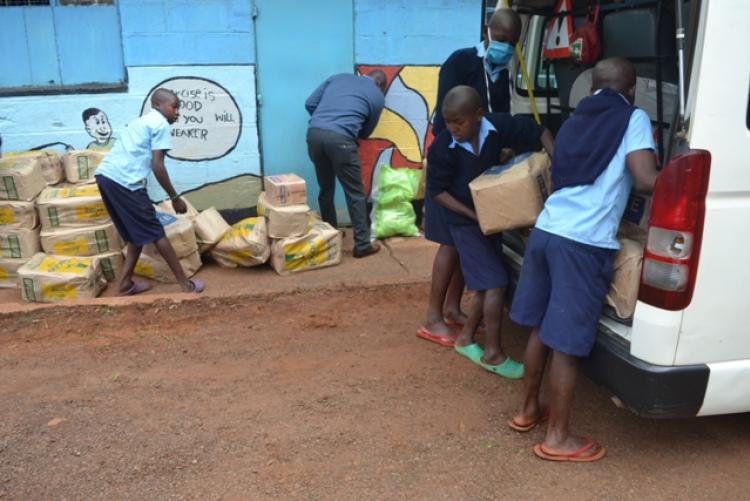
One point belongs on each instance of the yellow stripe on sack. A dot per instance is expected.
(144, 270)
(304, 254)
(4, 273)
(7, 216)
(77, 266)
(90, 190)
(59, 291)
(93, 211)
(72, 248)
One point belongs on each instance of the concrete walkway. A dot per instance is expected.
(401, 261)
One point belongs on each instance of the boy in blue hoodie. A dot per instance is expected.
(603, 150)
(470, 145)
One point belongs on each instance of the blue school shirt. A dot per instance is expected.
(453, 165)
(129, 162)
(591, 213)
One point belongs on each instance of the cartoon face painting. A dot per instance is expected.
(98, 127)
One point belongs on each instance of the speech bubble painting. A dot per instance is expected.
(210, 122)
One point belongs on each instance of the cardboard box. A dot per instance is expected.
(285, 189)
(210, 228)
(636, 215)
(319, 248)
(246, 244)
(512, 195)
(166, 206)
(18, 214)
(155, 268)
(181, 235)
(86, 241)
(47, 279)
(19, 243)
(284, 220)
(110, 264)
(9, 271)
(71, 207)
(49, 162)
(80, 165)
(623, 293)
(21, 178)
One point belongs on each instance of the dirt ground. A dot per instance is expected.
(314, 395)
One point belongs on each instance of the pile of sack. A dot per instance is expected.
(285, 232)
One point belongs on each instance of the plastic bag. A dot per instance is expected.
(393, 214)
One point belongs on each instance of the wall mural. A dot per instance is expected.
(98, 127)
(404, 132)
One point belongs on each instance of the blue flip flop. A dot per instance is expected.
(508, 369)
(472, 351)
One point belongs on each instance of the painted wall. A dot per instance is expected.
(408, 40)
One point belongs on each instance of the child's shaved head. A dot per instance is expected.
(463, 100)
(506, 21)
(617, 73)
(162, 95)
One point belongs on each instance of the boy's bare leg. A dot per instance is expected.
(446, 260)
(452, 306)
(167, 252)
(534, 361)
(563, 374)
(131, 258)
(466, 337)
(493, 316)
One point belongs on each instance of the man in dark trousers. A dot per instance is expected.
(342, 109)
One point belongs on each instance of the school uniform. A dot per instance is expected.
(122, 174)
(567, 267)
(453, 165)
(464, 67)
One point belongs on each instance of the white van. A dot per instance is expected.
(686, 350)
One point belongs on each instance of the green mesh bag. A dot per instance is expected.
(394, 214)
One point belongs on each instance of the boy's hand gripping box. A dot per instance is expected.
(512, 195)
(285, 189)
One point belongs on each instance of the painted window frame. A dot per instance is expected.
(59, 49)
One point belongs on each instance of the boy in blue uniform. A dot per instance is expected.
(485, 69)
(471, 144)
(603, 150)
(121, 178)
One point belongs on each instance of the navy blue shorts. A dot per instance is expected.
(435, 227)
(132, 212)
(481, 262)
(561, 290)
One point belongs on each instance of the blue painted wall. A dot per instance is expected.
(399, 32)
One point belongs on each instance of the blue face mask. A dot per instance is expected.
(500, 53)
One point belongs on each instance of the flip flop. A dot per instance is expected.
(453, 323)
(198, 285)
(523, 428)
(472, 351)
(137, 288)
(578, 456)
(508, 369)
(446, 341)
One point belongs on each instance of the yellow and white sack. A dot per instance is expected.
(155, 268)
(85, 241)
(19, 243)
(246, 244)
(319, 248)
(18, 214)
(110, 264)
(210, 228)
(9, 271)
(181, 235)
(80, 165)
(47, 279)
(284, 220)
(166, 206)
(21, 178)
(623, 292)
(71, 207)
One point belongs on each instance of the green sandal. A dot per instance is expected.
(472, 351)
(508, 369)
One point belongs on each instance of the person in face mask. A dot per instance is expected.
(485, 69)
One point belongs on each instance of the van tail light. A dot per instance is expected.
(670, 260)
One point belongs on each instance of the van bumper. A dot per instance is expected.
(648, 390)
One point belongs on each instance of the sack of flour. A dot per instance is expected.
(47, 279)
(246, 244)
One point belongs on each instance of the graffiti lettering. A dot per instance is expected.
(210, 121)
